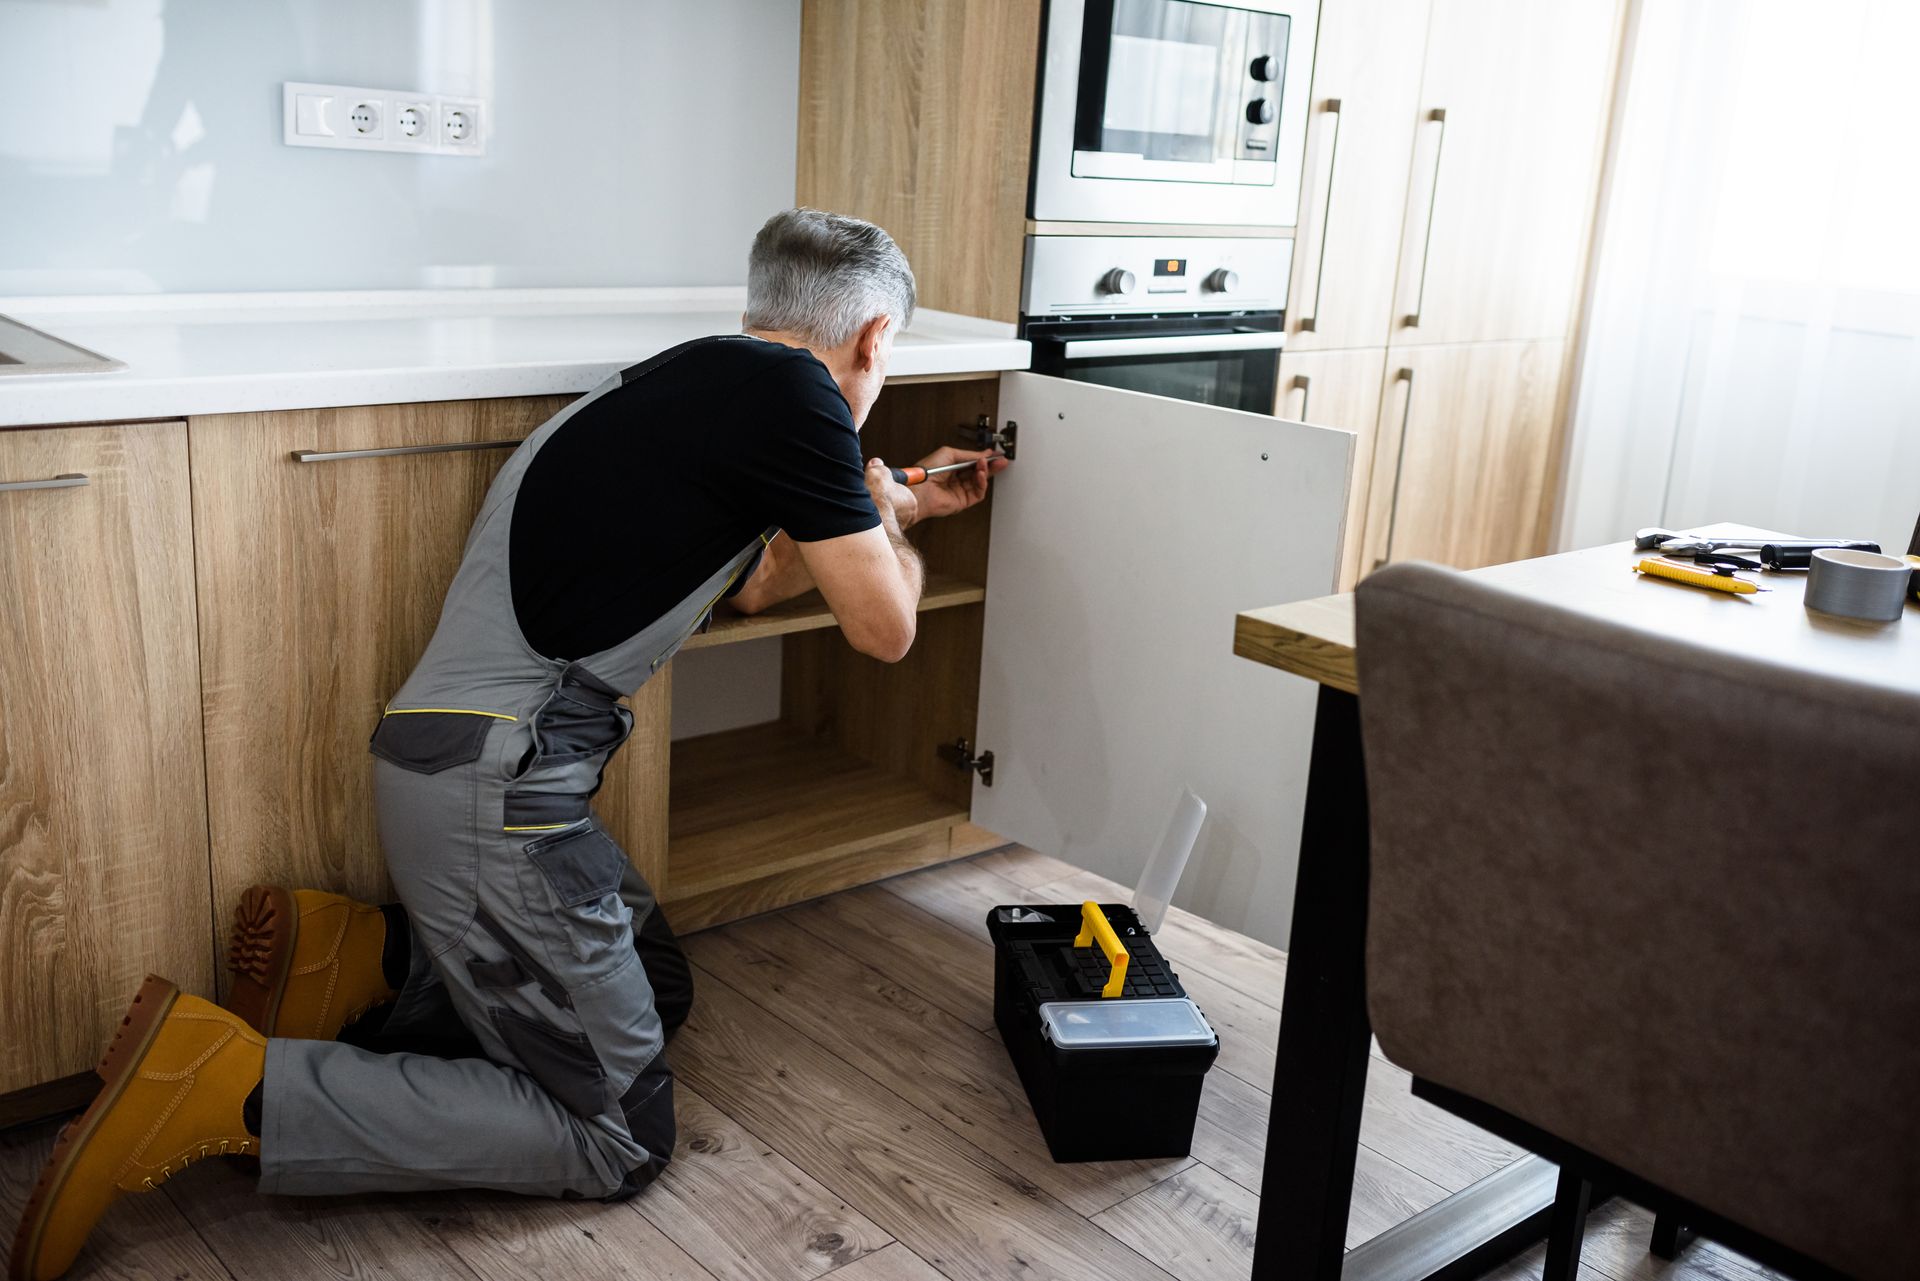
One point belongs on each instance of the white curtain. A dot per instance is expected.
(1753, 348)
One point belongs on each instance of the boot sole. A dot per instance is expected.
(131, 1041)
(266, 926)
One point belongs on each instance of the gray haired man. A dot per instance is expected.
(504, 1025)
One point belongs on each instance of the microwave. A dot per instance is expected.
(1173, 112)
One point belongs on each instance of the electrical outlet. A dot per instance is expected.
(413, 122)
(460, 120)
(364, 118)
(359, 119)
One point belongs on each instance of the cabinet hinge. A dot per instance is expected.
(959, 754)
(982, 436)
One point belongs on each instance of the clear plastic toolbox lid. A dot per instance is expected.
(1106, 1025)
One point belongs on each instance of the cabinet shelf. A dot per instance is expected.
(747, 804)
(809, 612)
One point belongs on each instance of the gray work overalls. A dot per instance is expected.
(522, 911)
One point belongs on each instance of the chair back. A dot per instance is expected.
(1661, 904)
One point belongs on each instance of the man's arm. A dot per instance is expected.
(871, 580)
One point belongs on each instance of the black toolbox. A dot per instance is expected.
(1113, 1068)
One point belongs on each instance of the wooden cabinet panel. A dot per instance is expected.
(320, 584)
(1503, 188)
(919, 116)
(1339, 389)
(103, 833)
(1366, 89)
(1463, 453)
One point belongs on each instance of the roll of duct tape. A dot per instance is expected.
(1857, 584)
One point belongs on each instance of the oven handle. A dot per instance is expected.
(1171, 345)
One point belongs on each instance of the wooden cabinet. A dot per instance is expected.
(1366, 89)
(1339, 389)
(1452, 174)
(1511, 121)
(918, 115)
(103, 836)
(320, 583)
(1461, 453)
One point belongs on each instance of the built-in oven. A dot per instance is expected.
(1173, 112)
(1194, 318)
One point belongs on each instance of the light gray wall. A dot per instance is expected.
(633, 142)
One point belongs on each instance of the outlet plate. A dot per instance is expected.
(351, 118)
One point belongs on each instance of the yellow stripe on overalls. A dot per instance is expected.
(449, 711)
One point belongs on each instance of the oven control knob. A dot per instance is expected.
(1260, 112)
(1223, 280)
(1265, 67)
(1118, 281)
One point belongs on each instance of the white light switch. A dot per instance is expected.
(310, 115)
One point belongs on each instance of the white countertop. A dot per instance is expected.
(238, 353)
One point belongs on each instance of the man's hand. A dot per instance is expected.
(890, 496)
(956, 490)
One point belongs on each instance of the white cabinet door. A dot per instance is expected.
(1128, 533)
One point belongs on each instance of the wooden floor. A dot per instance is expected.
(846, 1109)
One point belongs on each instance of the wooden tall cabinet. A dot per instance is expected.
(103, 834)
(1366, 90)
(1452, 172)
(1512, 117)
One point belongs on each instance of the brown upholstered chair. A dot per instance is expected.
(1652, 913)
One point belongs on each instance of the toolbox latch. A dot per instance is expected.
(959, 754)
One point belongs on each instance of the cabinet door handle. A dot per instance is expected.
(1307, 322)
(1399, 472)
(1437, 116)
(1301, 383)
(65, 480)
(335, 455)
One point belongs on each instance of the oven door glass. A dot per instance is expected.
(1231, 379)
(1178, 91)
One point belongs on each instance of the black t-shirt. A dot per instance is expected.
(642, 495)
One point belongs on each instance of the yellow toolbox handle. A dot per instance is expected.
(1094, 925)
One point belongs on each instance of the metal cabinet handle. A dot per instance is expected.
(65, 480)
(1437, 116)
(1301, 383)
(1400, 457)
(1307, 322)
(335, 455)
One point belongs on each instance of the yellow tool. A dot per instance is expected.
(1679, 573)
(1094, 925)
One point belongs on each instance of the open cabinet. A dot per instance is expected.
(1073, 668)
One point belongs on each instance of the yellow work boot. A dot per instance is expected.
(305, 963)
(177, 1074)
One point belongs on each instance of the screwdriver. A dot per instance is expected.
(920, 475)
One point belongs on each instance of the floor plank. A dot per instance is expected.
(509, 1238)
(745, 1212)
(895, 1263)
(1198, 1225)
(969, 1216)
(286, 1238)
(956, 1073)
(141, 1238)
(882, 930)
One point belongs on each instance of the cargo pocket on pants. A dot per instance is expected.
(563, 1062)
(428, 742)
(581, 865)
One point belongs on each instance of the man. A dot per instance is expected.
(527, 958)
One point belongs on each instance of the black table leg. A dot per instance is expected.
(1320, 1078)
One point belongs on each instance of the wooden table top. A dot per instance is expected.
(1315, 638)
